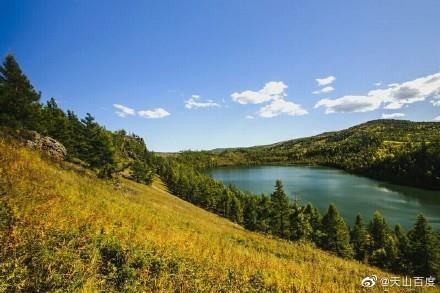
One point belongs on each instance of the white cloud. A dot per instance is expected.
(281, 106)
(249, 117)
(195, 102)
(395, 96)
(153, 114)
(392, 115)
(349, 104)
(436, 119)
(271, 91)
(379, 83)
(324, 90)
(123, 111)
(325, 80)
(436, 101)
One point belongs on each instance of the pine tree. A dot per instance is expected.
(314, 218)
(424, 249)
(98, 149)
(236, 210)
(401, 263)
(279, 220)
(359, 239)
(263, 214)
(336, 237)
(54, 121)
(19, 102)
(250, 213)
(141, 173)
(226, 203)
(75, 138)
(383, 249)
(300, 228)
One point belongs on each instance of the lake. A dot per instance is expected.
(352, 194)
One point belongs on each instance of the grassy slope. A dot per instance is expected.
(60, 228)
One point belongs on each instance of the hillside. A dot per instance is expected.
(64, 229)
(403, 152)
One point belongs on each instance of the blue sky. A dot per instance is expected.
(247, 70)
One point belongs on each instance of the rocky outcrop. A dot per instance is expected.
(46, 145)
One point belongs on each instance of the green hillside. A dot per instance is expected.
(64, 229)
(403, 152)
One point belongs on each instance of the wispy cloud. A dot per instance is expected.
(324, 90)
(392, 115)
(436, 101)
(325, 80)
(437, 119)
(123, 111)
(249, 117)
(196, 102)
(349, 104)
(395, 96)
(153, 114)
(273, 93)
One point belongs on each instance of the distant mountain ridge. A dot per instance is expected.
(399, 151)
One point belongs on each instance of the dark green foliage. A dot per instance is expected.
(250, 213)
(19, 102)
(300, 223)
(336, 237)
(98, 149)
(236, 213)
(360, 239)
(314, 218)
(402, 262)
(280, 211)
(141, 172)
(54, 121)
(263, 214)
(383, 248)
(202, 190)
(424, 249)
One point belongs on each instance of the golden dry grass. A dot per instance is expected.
(183, 248)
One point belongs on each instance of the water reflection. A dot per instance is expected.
(352, 194)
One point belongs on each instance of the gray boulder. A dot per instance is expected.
(46, 145)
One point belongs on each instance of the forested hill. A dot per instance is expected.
(399, 151)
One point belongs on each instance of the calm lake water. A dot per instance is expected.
(352, 194)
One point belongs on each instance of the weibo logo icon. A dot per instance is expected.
(369, 281)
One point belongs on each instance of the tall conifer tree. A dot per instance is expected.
(19, 101)
(280, 211)
(336, 237)
(424, 249)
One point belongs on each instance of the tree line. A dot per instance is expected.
(414, 252)
(402, 152)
